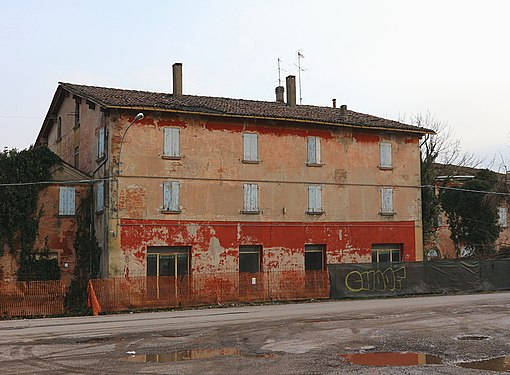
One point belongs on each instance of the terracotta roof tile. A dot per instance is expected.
(112, 97)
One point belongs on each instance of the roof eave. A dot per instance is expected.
(253, 117)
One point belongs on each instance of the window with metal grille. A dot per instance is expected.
(250, 258)
(251, 198)
(168, 260)
(385, 151)
(250, 148)
(171, 147)
(386, 253)
(315, 257)
(171, 196)
(314, 151)
(67, 201)
(315, 200)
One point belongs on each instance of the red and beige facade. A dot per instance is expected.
(213, 185)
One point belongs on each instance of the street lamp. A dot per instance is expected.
(138, 117)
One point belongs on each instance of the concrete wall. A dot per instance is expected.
(211, 174)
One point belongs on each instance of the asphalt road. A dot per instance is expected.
(301, 338)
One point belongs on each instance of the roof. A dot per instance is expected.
(228, 107)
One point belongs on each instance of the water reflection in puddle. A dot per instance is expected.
(494, 364)
(186, 355)
(392, 359)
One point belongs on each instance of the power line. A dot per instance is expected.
(91, 181)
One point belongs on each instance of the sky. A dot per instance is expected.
(391, 58)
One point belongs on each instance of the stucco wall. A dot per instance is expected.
(211, 175)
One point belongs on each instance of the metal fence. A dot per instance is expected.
(32, 298)
(394, 279)
(117, 294)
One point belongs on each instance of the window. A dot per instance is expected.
(67, 201)
(168, 260)
(77, 113)
(59, 129)
(171, 196)
(315, 257)
(171, 143)
(250, 148)
(387, 201)
(100, 143)
(100, 196)
(251, 199)
(386, 253)
(385, 152)
(250, 258)
(502, 217)
(314, 151)
(315, 200)
(77, 157)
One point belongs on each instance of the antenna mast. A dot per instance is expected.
(299, 57)
(279, 75)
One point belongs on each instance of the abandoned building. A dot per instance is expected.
(189, 184)
(57, 204)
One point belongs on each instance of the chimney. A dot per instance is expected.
(334, 103)
(279, 93)
(291, 91)
(343, 112)
(177, 79)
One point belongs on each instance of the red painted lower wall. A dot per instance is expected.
(215, 245)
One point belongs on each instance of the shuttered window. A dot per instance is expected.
(171, 196)
(387, 201)
(67, 201)
(251, 201)
(385, 151)
(172, 142)
(100, 143)
(100, 196)
(314, 150)
(502, 217)
(315, 200)
(250, 147)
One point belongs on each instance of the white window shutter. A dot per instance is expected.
(317, 150)
(171, 196)
(314, 198)
(67, 198)
(311, 150)
(171, 142)
(250, 146)
(502, 217)
(251, 197)
(100, 143)
(385, 150)
(387, 200)
(100, 196)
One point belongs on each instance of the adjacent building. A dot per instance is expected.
(211, 185)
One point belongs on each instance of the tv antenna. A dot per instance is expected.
(299, 57)
(279, 70)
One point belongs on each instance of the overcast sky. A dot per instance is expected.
(388, 58)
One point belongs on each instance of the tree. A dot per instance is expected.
(472, 214)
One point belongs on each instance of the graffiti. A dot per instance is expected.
(375, 280)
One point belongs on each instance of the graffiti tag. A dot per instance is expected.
(375, 280)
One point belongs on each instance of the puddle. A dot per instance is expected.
(191, 354)
(494, 364)
(473, 337)
(392, 359)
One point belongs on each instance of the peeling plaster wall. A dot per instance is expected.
(215, 245)
(211, 176)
